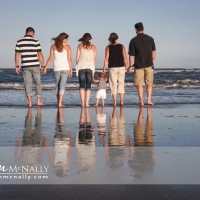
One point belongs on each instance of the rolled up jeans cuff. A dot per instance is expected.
(27, 95)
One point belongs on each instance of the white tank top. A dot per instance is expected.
(86, 60)
(86, 55)
(60, 61)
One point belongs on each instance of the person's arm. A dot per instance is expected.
(17, 68)
(106, 79)
(106, 59)
(95, 52)
(41, 59)
(153, 55)
(77, 54)
(69, 57)
(94, 80)
(125, 57)
(131, 52)
(49, 60)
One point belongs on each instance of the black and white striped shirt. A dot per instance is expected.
(28, 48)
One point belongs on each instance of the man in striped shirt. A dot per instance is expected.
(31, 57)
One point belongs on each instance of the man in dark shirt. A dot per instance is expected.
(142, 53)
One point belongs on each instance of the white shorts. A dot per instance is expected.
(101, 94)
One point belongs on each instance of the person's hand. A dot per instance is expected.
(70, 74)
(43, 70)
(17, 70)
(129, 69)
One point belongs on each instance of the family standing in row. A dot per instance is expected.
(142, 53)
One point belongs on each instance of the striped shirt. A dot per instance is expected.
(28, 48)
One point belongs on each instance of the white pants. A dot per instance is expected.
(101, 94)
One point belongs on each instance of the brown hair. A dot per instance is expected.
(101, 75)
(59, 41)
(139, 26)
(113, 37)
(86, 40)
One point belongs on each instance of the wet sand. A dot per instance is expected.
(127, 146)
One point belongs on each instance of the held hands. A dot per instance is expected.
(43, 70)
(129, 69)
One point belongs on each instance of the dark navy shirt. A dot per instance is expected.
(141, 48)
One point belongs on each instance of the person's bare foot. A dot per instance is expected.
(60, 106)
(40, 103)
(141, 104)
(150, 103)
(87, 106)
(95, 105)
(30, 105)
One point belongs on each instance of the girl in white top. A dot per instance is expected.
(85, 67)
(62, 64)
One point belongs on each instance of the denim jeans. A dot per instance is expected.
(85, 78)
(61, 79)
(29, 73)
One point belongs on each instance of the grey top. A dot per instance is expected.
(101, 84)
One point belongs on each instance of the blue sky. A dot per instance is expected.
(174, 25)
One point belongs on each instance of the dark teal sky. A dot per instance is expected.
(174, 25)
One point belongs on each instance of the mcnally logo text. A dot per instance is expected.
(23, 169)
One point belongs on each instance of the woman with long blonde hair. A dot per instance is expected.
(61, 52)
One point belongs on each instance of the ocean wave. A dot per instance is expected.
(156, 71)
(179, 84)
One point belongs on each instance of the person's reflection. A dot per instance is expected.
(101, 121)
(116, 154)
(85, 142)
(61, 158)
(31, 151)
(142, 160)
(143, 137)
(116, 133)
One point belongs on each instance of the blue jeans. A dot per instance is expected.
(85, 78)
(29, 73)
(61, 79)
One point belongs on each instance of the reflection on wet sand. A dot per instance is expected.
(101, 121)
(61, 157)
(142, 160)
(85, 142)
(116, 133)
(116, 153)
(62, 146)
(120, 149)
(31, 152)
(143, 136)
